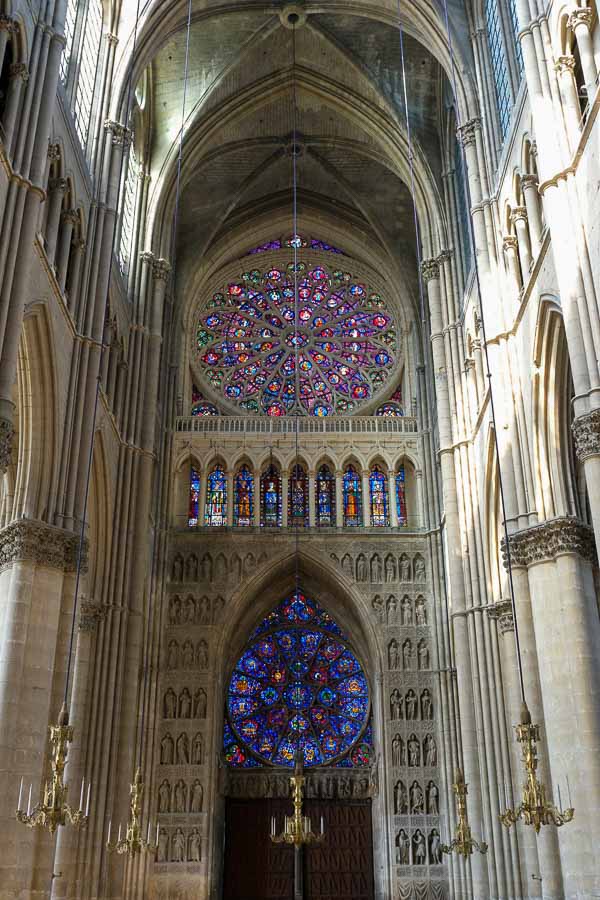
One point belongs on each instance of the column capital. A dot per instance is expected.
(502, 611)
(54, 153)
(581, 16)
(467, 133)
(7, 434)
(60, 185)
(510, 243)
(45, 545)
(519, 212)
(8, 24)
(19, 70)
(121, 135)
(70, 216)
(430, 269)
(545, 542)
(161, 269)
(564, 64)
(146, 256)
(90, 614)
(445, 255)
(111, 39)
(529, 180)
(586, 433)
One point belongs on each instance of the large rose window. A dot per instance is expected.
(298, 685)
(343, 342)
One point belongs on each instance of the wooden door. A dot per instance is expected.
(255, 868)
(341, 868)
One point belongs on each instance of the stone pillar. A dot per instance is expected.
(565, 69)
(559, 555)
(19, 76)
(511, 252)
(419, 512)
(72, 285)
(69, 220)
(339, 498)
(586, 434)
(285, 486)
(58, 189)
(312, 494)
(8, 26)
(519, 219)
(366, 498)
(529, 185)
(393, 505)
(579, 22)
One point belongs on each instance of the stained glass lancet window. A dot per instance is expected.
(298, 684)
(352, 493)
(270, 497)
(200, 405)
(325, 497)
(298, 496)
(379, 497)
(194, 503)
(401, 496)
(243, 506)
(216, 497)
(345, 342)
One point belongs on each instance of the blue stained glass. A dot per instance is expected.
(325, 497)
(352, 497)
(243, 506)
(280, 697)
(216, 498)
(379, 497)
(298, 496)
(401, 496)
(194, 497)
(270, 497)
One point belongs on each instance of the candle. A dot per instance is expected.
(20, 794)
(119, 834)
(559, 799)
(148, 835)
(322, 829)
(157, 827)
(81, 794)
(109, 830)
(87, 805)
(29, 800)
(569, 792)
(505, 796)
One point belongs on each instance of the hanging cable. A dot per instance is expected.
(295, 242)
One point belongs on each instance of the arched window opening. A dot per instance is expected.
(379, 498)
(270, 497)
(88, 68)
(67, 53)
(401, 497)
(215, 512)
(499, 64)
(243, 506)
(128, 206)
(325, 497)
(5, 65)
(298, 496)
(352, 493)
(194, 501)
(514, 19)
(298, 685)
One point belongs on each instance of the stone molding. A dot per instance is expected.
(7, 433)
(564, 64)
(161, 269)
(467, 133)
(70, 217)
(430, 269)
(121, 135)
(529, 181)
(60, 185)
(545, 542)
(54, 153)
(586, 434)
(359, 783)
(519, 212)
(42, 544)
(581, 16)
(510, 243)
(8, 24)
(90, 614)
(502, 612)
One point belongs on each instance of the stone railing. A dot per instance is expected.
(287, 425)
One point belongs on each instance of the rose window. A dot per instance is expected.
(343, 342)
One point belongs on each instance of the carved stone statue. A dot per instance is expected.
(164, 797)
(421, 611)
(417, 801)
(435, 848)
(178, 846)
(377, 604)
(376, 569)
(194, 846)
(180, 797)
(162, 853)
(423, 655)
(390, 569)
(397, 751)
(402, 848)
(393, 656)
(414, 751)
(173, 655)
(178, 568)
(202, 655)
(347, 566)
(433, 799)
(191, 568)
(197, 797)
(187, 655)
(200, 704)
(174, 610)
(400, 799)
(392, 604)
(185, 704)
(166, 750)
(170, 704)
(404, 568)
(430, 751)
(426, 705)
(419, 568)
(204, 611)
(182, 750)
(411, 705)
(419, 851)
(407, 652)
(361, 568)
(197, 749)
(396, 704)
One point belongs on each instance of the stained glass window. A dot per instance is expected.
(298, 684)
(401, 496)
(379, 497)
(499, 64)
(325, 497)
(248, 342)
(243, 507)
(216, 497)
(201, 406)
(298, 496)
(352, 497)
(194, 497)
(390, 409)
(270, 497)
(298, 241)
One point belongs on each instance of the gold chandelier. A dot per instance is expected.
(463, 842)
(297, 829)
(134, 842)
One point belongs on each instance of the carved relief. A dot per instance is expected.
(196, 797)
(400, 798)
(421, 610)
(406, 616)
(329, 785)
(192, 611)
(177, 568)
(433, 799)
(348, 566)
(411, 706)
(402, 848)
(414, 751)
(361, 568)
(167, 749)
(417, 800)
(396, 705)
(390, 569)
(426, 705)
(42, 544)
(200, 704)
(418, 848)
(548, 540)
(185, 704)
(430, 751)
(407, 653)
(423, 655)
(376, 569)
(197, 749)
(170, 704)
(202, 655)
(182, 750)
(180, 797)
(393, 654)
(419, 568)
(221, 567)
(164, 797)
(404, 568)
(398, 751)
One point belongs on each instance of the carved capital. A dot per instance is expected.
(60, 185)
(564, 64)
(582, 16)
(121, 135)
(146, 256)
(544, 542)
(430, 269)
(44, 545)
(586, 433)
(467, 133)
(8, 24)
(7, 433)
(510, 243)
(19, 70)
(70, 217)
(161, 270)
(53, 152)
(519, 212)
(502, 611)
(111, 39)
(445, 256)
(90, 614)
(529, 181)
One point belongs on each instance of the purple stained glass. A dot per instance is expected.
(259, 345)
(215, 513)
(297, 685)
(194, 497)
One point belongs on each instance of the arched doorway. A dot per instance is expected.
(298, 684)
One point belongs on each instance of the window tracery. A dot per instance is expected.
(298, 496)
(83, 37)
(243, 507)
(194, 501)
(401, 496)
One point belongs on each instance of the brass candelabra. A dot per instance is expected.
(534, 808)
(134, 841)
(53, 809)
(297, 829)
(463, 842)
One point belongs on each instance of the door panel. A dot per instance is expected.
(342, 867)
